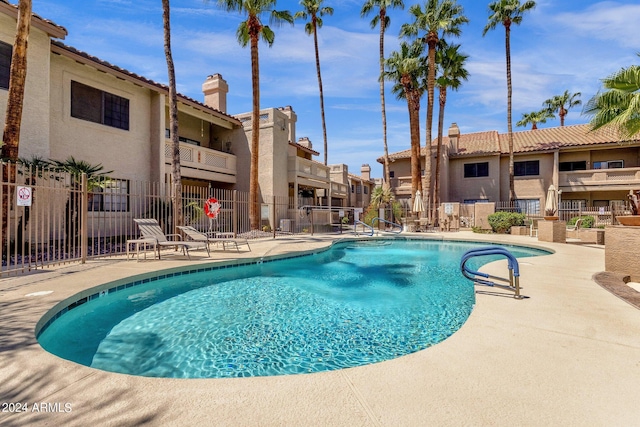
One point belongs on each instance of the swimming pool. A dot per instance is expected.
(358, 302)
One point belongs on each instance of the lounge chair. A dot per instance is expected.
(222, 238)
(576, 226)
(150, 229)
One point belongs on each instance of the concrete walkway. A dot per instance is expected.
(568, 355)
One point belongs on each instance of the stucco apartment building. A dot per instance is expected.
(597, 168)
(77, 104)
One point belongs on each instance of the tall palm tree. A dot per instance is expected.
(383, 19)
(439, 18)
(507, 12)
(561, 104)
(250, 32)
(13, 118)
(176, 178)
(619, 105)
(452, 72)
(313, 10)
(404, 67)
(534, 118)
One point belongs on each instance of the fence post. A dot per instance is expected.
(273, 215)
(84, 215)
(234, 213)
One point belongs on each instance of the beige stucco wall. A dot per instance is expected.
(461, 188)
(620, 254)
(34, 132)
(127, 153)
(530, 187)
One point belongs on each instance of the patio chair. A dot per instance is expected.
(533, 228)
(223, 238)
(150, 229)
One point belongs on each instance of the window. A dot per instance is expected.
(526, 168)
(392, 174)
(611, 164)
(114, 197)
(573, 166)
(95, 105)
(353, 190)
(474, 170)
(6, 50)
(358, 189)
(366, 190)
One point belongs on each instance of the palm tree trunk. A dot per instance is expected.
(176, 178)
(413, 102)
(13, 118)
(443, 100)
(512, 193)
(387, 176)
(432, 40)
(324, 125)
(254, 212)
(562, 113)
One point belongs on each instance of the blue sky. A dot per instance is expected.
(561, 45)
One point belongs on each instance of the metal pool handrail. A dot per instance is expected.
(365, 225)
(393, 224)
(514, 269)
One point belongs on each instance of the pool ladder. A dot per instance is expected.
(366, 228)
(397, 228)
(483, 278)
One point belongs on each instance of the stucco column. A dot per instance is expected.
(556, 168)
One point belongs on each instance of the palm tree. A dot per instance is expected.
(561, 104)
(619, 105)
(439, 18)
(250, 32)
(534, 118)
(13, 118)
(176, 178)
(404, 68)
(383, 19)
(451, 65)
(507, 12)
(313, 9)
(96, 178)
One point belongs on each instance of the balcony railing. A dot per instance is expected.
(308, 171)
(193, 157)
(401, 186)
(594, 178)
(338, 189)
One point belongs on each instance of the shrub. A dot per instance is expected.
(501, 222)
(587, 221)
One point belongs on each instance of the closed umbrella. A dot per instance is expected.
(418, 206)
(551, 204)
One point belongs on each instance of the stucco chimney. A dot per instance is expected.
(305, 142)
(291, 122)
(215, 90)
(454, 138)
(365, 172)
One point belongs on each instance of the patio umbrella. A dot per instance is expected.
(418, 206)
(551, 204)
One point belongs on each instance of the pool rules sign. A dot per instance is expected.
(25, 196)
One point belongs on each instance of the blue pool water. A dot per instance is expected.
(351, 305)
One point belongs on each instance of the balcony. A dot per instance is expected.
(600, 179)
(401, 186)
(339, 190)
(308, 172)
(204, 163)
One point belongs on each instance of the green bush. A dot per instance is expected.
(587, 221)
(501, 222)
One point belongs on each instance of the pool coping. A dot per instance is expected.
(566, 355)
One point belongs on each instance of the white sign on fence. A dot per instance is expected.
(25, 196)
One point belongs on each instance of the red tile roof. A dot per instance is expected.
(492, 143)
(46, 25)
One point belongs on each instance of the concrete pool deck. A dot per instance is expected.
(568, 354)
